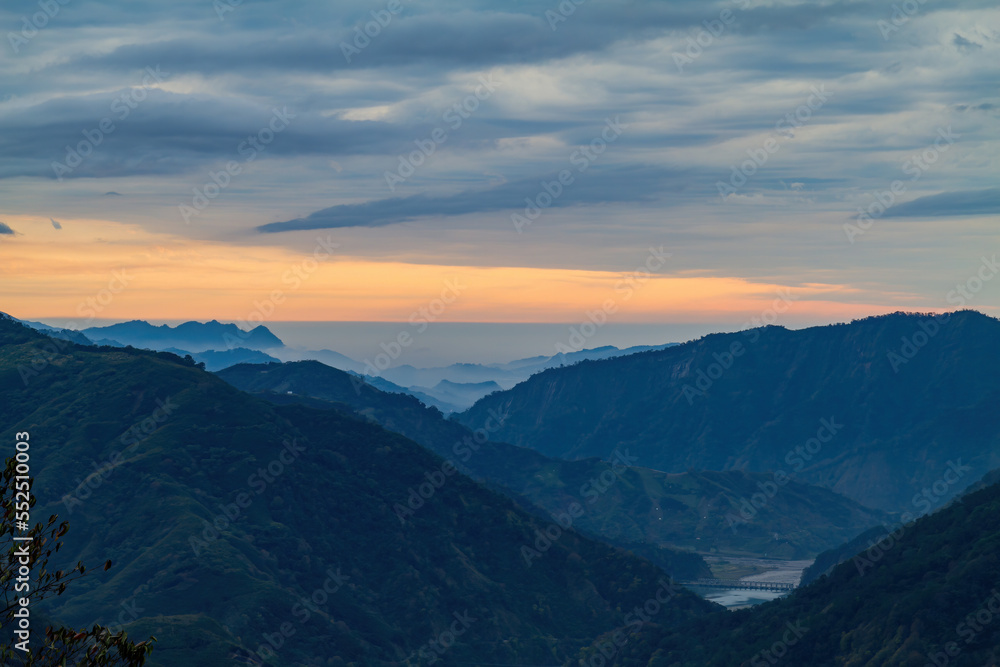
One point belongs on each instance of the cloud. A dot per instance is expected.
(5, 230)
(985, 106)
(55, 223)
(433, 37)
(690, 128)
(946, 204)
(443, 35)
(595, 186)
(169, 133)
(964, 45)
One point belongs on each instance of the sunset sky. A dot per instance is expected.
(191, 160)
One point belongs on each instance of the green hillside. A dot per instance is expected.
(634, 507)
(878, 410)
(928, 594)
(244, 531)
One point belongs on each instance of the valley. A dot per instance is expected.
(747, 569)
(478, 526)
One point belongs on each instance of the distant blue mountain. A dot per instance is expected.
(55, 332)
(506, 375)
(461, 395)
(417, 392)
(193, 336)
(458, 386)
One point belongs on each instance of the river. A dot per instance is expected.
(760, 569)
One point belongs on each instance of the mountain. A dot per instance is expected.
(535, 364)
(409, 376)
(245, 532)
(928, 594)
(55, 332)
(504, 467)
(506, 374)
(725, 512)
(462, 395)
(193, 336)
(989, 479)
(826, 561)
(216, 360)
(455, 387)
(328, 357)
(897, 412)
(703, 511)
(392, 388)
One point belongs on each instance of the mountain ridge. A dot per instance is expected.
(192, 336)
(763, 408)
(627, 506)
(224, 512)
(925, 594)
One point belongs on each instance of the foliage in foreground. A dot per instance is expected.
(58, 646)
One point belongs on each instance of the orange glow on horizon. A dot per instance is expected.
(97, 269)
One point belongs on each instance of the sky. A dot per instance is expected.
(524, 161)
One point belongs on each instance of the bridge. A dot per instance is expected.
(743, 584)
